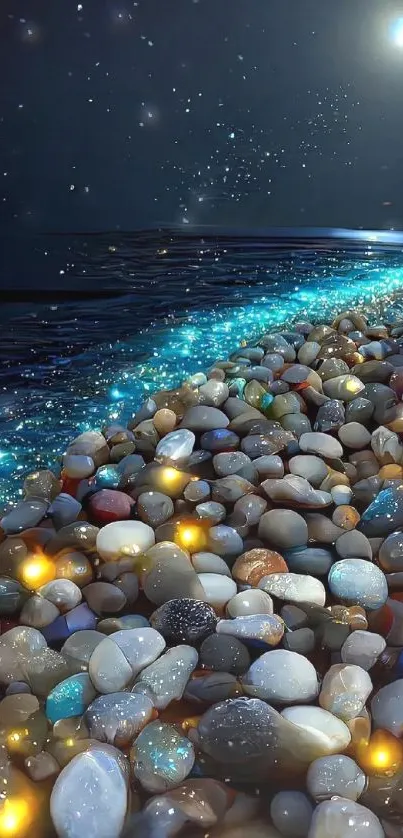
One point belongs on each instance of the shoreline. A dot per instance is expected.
(218, 587)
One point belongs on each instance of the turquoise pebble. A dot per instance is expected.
(70, 698)
(358, 582)
(107, 477)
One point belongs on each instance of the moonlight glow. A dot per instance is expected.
(397, 32)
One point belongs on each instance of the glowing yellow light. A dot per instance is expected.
(14, 816)
(383, 754)
(191, 537)
(70, 742)
(352, 386)
(171, 476)
(36, 571)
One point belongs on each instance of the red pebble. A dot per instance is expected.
(109, 505)
(70, 484)
(6, 625)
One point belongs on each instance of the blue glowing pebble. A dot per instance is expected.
(70, 698)
(384, 514)
(358, 582)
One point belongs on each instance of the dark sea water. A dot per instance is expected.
(91, 324)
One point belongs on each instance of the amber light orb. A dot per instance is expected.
(381, 755)
(15, 817)
(192, 535)
(36, 570)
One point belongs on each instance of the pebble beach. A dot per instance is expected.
(201, 612)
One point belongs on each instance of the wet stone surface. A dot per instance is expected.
(201, 614)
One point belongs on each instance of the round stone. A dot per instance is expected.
(387, 708)
(184, 620)
(358, 582)
(223, 653)
(162, 757)
(250, 568)
(154, 508)
(391, 553)
(283, 529)
(363, 648)
(218, 589)
(250, 603)
(310, 467)
(109, 505)
(78, 466)
(291, 813)
(123, 538)
(164, 421)
(175, 446)
(281, 677)
(118, 718)
(345, 689)
(335, 776)
(353, 435)
(342, 818)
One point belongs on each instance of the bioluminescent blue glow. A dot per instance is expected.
(109, 382)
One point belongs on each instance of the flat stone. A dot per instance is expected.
(123, 538)
(310, 467)
(203, 418)
(256, 629)
(218, 589)
(294, 587)
(320, 443)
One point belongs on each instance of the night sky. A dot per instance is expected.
(244, 113)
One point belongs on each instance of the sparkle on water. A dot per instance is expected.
(45, 404)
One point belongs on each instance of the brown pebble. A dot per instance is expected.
(164, 421)
(252, 566)
(345, 517)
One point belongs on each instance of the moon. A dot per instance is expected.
(397, 32)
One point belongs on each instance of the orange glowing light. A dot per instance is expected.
(191, 536)
(36, 570)
(382, 755)
(14, 817)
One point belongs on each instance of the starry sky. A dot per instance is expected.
(117, 114)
